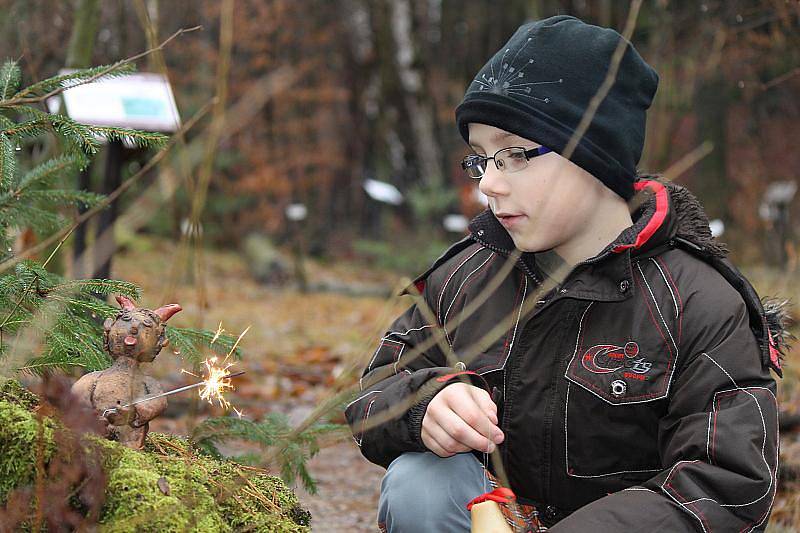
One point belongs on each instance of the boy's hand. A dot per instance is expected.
(460, 418)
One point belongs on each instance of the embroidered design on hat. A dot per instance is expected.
(503, 81)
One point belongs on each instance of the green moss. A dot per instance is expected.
(12, 391)
(19, 441)
(168, 486)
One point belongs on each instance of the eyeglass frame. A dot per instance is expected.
(529, 154)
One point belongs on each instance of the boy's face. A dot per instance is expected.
(550, 203)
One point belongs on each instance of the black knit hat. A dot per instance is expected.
(540, 83)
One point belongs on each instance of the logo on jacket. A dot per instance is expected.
(608, 358)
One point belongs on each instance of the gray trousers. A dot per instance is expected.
(423, 492)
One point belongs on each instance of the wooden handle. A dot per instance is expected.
(488, 518)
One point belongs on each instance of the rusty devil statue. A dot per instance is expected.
(134, 336)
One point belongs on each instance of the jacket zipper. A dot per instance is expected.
(505, 253)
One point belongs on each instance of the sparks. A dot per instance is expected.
(217, 378)
(219, 332)
(216, 383)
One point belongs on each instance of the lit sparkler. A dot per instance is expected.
(212, 387)
(217, 379)
(226, 378)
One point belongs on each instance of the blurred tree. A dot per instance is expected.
(79, 55)
(380, 80)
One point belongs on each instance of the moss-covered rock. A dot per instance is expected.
(19, 442)
(169, 486)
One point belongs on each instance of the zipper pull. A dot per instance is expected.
(497, 395)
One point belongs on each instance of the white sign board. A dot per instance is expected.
(141, 101)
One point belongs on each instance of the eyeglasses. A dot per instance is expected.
(509, 160)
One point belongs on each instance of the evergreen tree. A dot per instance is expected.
(66, 313)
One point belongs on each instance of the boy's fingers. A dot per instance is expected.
(485, 402)
(433, 445)
(481, 428)
(445, 442)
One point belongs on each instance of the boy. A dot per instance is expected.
(628, 388)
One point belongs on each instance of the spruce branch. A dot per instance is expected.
(31, 128)
(142, 139)
(187, 340)
(65, 233)
(23, 100)
(64, 197)
(62, 80)
(273, 429)
(99, 286)
(46, 172)
(8, 162)
(10, 77)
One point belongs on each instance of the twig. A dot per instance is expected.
(19, 100)
(688, 161)
(780, 79)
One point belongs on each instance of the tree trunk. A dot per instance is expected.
(419, 111)
(79, 55)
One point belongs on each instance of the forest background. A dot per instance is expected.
(319, 96)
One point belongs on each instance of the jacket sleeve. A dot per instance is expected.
(718, 443)
(396, 387)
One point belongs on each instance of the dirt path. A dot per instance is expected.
(348, 488)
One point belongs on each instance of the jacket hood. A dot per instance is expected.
(668, 216)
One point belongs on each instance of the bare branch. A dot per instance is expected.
(35, 99)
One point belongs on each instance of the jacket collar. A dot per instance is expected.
(665, 212)
(668, 215)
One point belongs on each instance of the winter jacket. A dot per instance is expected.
(635, 396)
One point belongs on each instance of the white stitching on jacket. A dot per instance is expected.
(708, 435)
(377, 350)
(406, 332)
(513, 336)
(772, 477)
(516, 324)
(464, 281)
(566, 373)
(444, 286)
(386, 338)
(674, 301)
(360, 439)
(763, 425)
(655, 303)
(362, 397)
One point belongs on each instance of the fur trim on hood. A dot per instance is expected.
(769, 317)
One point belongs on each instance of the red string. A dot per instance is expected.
(500, 495)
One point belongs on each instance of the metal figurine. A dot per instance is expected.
(134, 336)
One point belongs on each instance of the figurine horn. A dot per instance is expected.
(125, 303)
(166, 311)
